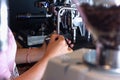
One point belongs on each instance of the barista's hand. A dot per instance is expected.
(43, 47)
(57, 46)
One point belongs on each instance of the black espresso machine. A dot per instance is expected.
(33, 20)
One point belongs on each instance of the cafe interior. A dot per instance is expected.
(96, 48)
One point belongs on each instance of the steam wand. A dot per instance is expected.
(59, 20)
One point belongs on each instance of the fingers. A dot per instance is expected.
(70, 50)
(53, 37)
(61, 40)
(56, 37)
(69, 43)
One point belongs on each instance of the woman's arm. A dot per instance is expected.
(28, 55)
(36, 72)
(54, 48)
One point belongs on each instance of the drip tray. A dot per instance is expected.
(90, 59)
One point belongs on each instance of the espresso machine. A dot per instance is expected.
(31, 23)
(41, 17)
(101, 18)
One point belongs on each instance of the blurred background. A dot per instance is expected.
(33, 20)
